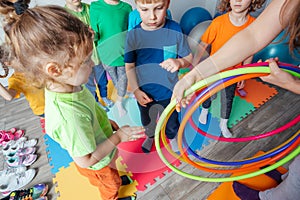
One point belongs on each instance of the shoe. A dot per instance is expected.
(241, 92)
(16, 181)
(5, 137)
(11, 171)
(17, 133)
(108, 102)
(12, 134)
(103, 107)
(37, 192)
(20, 152)
(126, 180)
(25, 160)
(15, 145)
(128, 198)
(130, 95)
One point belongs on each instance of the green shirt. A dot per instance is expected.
(110, 23)
(84, 16)
(77, 123)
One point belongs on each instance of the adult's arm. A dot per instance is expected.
(242, 45)
(248, 41)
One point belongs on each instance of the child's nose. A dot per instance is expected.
(152, 15)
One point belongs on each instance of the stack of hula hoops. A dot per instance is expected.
(204, 89)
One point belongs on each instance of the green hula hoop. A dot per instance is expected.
(196, 86)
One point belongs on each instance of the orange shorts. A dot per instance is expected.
(106, 179)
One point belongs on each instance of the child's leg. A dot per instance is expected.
(90, 85)
(114, 74)
(148, 119)
(106, 179)
(173, 122)
(121, 89)
(101, 80)
(227, 96)
(172, 126)
(204, 111)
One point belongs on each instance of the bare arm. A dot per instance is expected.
(141, 96)
(242, 45)
(7, 94)
(131, 76)
(124, 134)
(247, 42)
(200, 50)
(174, 64)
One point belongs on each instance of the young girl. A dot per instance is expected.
(219, 31)
(54, 48)
(18, 84)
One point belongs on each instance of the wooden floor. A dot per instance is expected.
(274, 113)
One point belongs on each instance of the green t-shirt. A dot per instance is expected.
(77, 123)
(84, 16)
(110, 23)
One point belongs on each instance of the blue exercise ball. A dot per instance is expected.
(278, 48)
(196, 34)
(217, 14)
(192, 17)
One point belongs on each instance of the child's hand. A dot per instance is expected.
(142, 97)
(171, 65)
(241, 85)
(127, 133)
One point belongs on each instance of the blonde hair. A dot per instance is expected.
(41, 35)
(224, 5)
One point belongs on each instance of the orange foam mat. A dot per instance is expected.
(257, 92)
(68, 181)
(261, 183)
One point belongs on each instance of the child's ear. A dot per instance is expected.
(53, 69)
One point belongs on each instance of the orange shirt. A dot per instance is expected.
(221, 30)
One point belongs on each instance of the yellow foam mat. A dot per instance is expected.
(69, 181)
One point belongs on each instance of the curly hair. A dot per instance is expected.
(41, 35)
(224, 5)
(293, 27)
(4, 57)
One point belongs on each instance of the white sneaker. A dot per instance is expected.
(203, 116)
(11, 171)
(16, 181)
